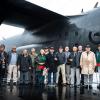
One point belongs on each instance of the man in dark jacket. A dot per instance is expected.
(3, 63)
(67, 64)
(24, 64)
(61, 65)
(75, 69)
(80, 50)
(51, 63)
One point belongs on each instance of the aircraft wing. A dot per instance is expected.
(77, 16)
(25, 14)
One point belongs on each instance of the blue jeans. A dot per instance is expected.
(75, 71)
(2, 75)
(99, 73)
(34, 75)
(24, 77)
(50, 78)
(88, 79)
(39, 77)
(68, 72)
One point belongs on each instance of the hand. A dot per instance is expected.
(81, 66)
(55, 59)
(29, 67)
(70, 59)
(3, 61)
(18, 67)
(93, 68)
(41, 63)
(47, 68)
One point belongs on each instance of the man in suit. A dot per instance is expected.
(67, 64)
(75, 69)
(80, 50)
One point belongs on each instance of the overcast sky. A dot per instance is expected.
(7, 31)
(66, 7)
(63, 7)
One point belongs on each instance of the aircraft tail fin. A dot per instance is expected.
(96, 5)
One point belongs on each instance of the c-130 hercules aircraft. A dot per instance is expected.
(46, 28)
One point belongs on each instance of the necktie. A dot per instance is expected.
(87, 53)
(74, 54)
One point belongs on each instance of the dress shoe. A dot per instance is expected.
(78, 86)
(8, 83)
(72, 85)
(68, 83)
(56, 84)
(98, 86)
(64, 84)
(15, 83)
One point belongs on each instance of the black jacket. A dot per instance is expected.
(24, 63)
(51, 63)
(61, 58)
(5, 56)
(75, 59)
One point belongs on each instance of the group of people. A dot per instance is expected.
(76, 67)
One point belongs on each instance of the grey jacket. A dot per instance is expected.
(67, 54)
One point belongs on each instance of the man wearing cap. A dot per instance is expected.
(67, 64)
(12, 66)
(46, 50)
(61, 65)
(98, 63)
(51, 63)
(3, 64)
(88, 63)
(80, 50)
(75, 67)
